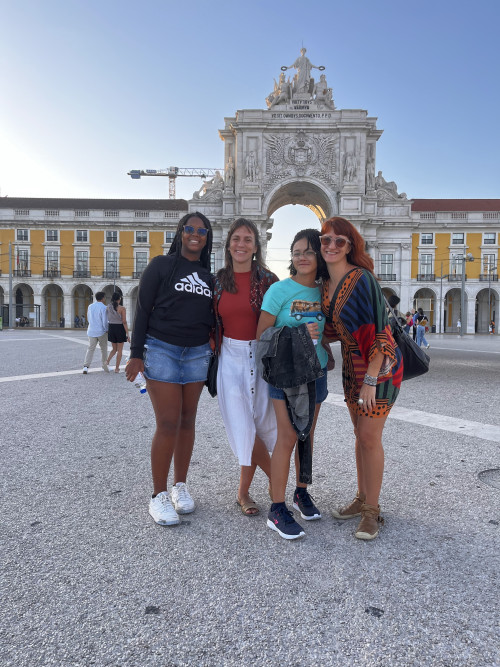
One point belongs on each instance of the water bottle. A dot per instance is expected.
(140, 381)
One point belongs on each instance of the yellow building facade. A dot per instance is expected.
(55, 254)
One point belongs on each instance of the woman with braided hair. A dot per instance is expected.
(170, 345)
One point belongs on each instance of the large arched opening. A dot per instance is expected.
(288, 220)
(294, 205)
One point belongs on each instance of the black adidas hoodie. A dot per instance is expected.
(175, 308)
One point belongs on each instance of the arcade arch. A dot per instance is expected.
(486, 309)
(426, 299)
(82, 298)
(53, 305)
(452, 307)
(108, 291)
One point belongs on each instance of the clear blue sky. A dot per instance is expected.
(93, 88)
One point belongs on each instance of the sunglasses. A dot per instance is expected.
(339, 241)
(201, 231)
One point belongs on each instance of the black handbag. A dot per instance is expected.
(415, 361)
(211, 381)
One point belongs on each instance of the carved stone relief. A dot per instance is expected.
(300, 154)
(350, 167)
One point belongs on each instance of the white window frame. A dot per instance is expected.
(137, 253)
(55, 263)
(426, 265)
(111, 231)
(84, 231)
(77, 265)
(141, 231)
(116, 267)
(25, 253)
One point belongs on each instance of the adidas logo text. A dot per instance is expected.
(193, 284)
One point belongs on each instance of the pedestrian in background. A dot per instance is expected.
(117, 329)
(372, 366)
(170, 345)
(97, 331)
(414, 323)
(459, 327)
(409, 322)
(246, 409)
(421, 322)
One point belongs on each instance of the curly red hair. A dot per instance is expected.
(357, 255)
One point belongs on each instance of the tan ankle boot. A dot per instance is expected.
(351, 510)
(370, 522)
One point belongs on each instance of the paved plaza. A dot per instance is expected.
(87, 578)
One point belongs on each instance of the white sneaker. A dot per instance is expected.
(428, 346)
(181, 498)
(85, 370)
(105, 368)
(162, 511)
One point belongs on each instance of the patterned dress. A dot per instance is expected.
(358, 318)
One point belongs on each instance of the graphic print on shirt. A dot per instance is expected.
(300, 309)
(193, 284)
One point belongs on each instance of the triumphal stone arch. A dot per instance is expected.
(301, 149)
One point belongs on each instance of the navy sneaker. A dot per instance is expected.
(282, 521)
(303, 503)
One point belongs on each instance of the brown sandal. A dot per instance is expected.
(247, 508)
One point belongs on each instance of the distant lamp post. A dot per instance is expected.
(491, 269)
(446, 275)
(465, 258)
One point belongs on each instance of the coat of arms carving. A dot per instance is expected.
(301, 154)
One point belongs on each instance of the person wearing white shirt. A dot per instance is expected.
(97, 331)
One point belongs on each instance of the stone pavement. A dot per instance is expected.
(88, 579)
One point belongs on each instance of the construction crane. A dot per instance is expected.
(173, 173)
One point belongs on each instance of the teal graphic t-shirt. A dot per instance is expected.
(293, 304)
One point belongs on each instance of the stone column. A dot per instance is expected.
(68, 308)
(405, 278)
(470, 309)
(127, 304)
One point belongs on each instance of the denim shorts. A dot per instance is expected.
(164, 362)
(321, 389)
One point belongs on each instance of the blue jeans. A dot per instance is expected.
(421, 336)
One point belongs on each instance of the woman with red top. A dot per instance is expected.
(372, 366)
(244, 403)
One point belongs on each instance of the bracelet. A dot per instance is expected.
(370, 380)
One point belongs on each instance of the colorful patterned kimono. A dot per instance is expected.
(358, 318)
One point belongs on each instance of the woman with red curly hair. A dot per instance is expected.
(372, 364)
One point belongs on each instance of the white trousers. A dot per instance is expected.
(244, 401)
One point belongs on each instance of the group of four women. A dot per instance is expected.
(331, 278)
